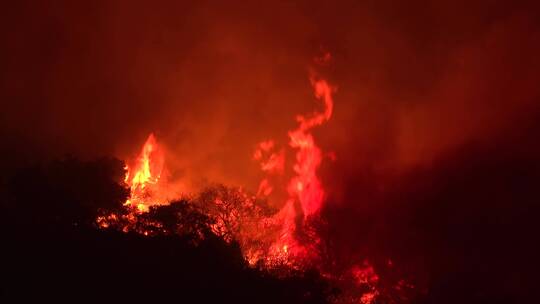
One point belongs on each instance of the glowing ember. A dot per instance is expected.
(365, 274)
(368, 297)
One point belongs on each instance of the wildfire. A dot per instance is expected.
(144, 176)
(283, 238)
(304, 189)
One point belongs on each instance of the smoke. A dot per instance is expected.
(212, 80)
(418, 85)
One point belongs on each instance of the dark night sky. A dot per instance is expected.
(414, 79)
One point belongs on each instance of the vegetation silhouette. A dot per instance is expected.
(462, 231)
(53, 250)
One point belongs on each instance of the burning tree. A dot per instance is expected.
(234, 212)
(286, 240)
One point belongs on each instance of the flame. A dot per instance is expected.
(304, 188)
(144, 177)
(283, 239)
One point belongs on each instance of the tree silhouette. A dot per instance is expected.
(54, 250)
(179, 217)
(233, 211)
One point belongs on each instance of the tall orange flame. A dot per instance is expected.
(304, 188)
(144, 176)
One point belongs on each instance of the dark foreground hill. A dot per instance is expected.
(52, 249)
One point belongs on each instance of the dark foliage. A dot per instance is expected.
(52, 251)
(179, 218)
(66, 191)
